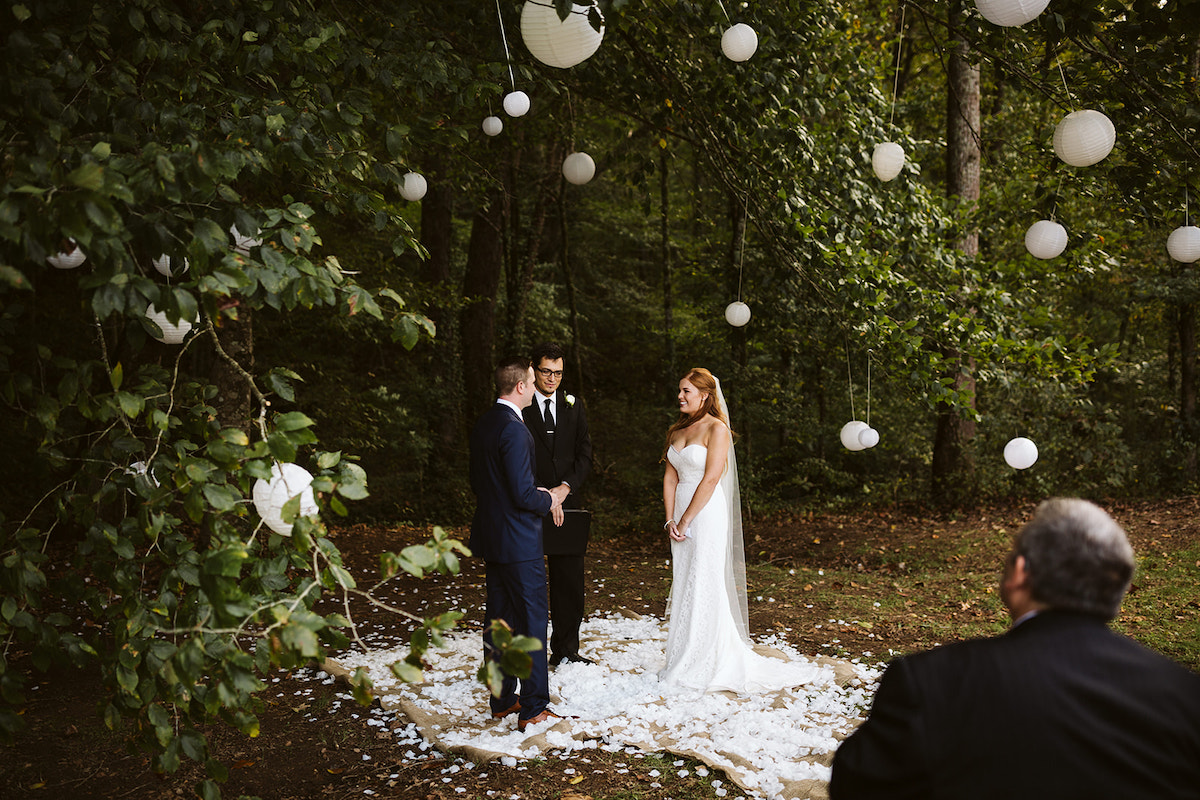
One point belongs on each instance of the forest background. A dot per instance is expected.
(358, 338)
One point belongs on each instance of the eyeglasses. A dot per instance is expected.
(550, 373)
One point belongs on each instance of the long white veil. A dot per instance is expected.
(735, 561)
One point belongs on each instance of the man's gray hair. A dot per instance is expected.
(1077, 556)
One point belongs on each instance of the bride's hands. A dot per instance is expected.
(675, 533)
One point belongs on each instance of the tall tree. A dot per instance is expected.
(953, 465)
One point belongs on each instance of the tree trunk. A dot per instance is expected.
(575, 362)
(665, 242)
(485, 262)
(1187, 385)
(234, 403)
(437, 234)
(737, 336)
(953, 467)
(519, 272)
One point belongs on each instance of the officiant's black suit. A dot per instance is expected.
(564, 456)
(1059, 708)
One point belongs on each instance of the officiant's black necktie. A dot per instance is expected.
(548, 416)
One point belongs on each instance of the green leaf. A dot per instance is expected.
(131, 404)
(293, 421)
(102, 150)
(221, 497)
(407, 672)
(20, 12)
(329, 460)
(116, 376)
(226, 562)
(88, 176)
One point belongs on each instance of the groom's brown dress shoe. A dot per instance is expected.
(512, 710)
(542, 717)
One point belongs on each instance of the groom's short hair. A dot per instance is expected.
(511, 371)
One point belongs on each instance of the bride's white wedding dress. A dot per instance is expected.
(706, 649)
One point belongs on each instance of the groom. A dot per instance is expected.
(507, 534)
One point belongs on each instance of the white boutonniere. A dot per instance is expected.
(570, 399)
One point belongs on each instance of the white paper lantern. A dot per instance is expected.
(170, 332)
(413, 187)
(578, 168)
(868, 437)
(739, 42)
(1046, 239)
(516, 104)
(492, 126)
(1084, 138)
(849, 434)
(170, 266)
(558, 42)
(1184, 244)
(887, 160)
(737, 313)
(1010, 13)
(143, 478)
(243, 244)
(68, 259)
(287, 481)
(1020, 453)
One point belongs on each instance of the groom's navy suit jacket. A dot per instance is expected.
(508, 516)
(1058, 708)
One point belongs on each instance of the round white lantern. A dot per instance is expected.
(849, 434)
(492, 126)
(414, 186)
(1184, 244)
(287, 481)
(578, 168)
(1084, 138)
(739, 42)
(887, 160)
(1020, 453)
(170, 333)
(558, 42)
(243, 244)
(68, 259)
(1046, 239)
(516, 104)
(1010, 13)
(868, 437)
(170, 266)
(737, 313)
(143, 478)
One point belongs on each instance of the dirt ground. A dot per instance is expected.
(315, 742)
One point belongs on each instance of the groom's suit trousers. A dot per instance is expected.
(516, 593)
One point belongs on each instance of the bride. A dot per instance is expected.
(708, 643)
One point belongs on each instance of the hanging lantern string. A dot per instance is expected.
(850, 381)
(1057, 194)
(896, 78)
(868, 388)
(741, 260)
(723, 11)
(504, 39)
(1063, 73)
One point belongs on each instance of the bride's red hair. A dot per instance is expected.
(704, 381)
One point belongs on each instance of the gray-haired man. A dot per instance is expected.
(1058, 707)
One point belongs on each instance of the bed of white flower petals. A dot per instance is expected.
(777, 744)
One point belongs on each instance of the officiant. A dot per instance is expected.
(562, 462)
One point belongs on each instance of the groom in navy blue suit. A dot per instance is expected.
(507, 534)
